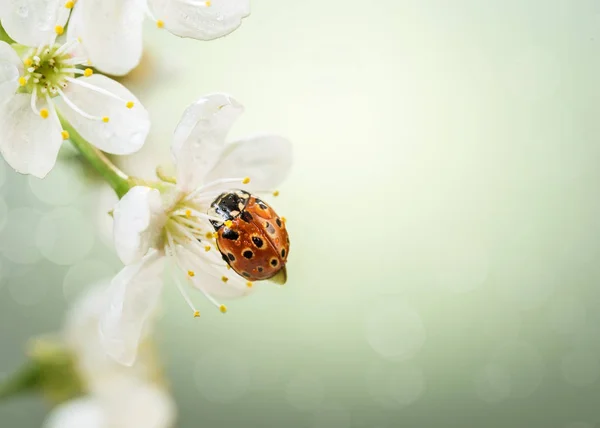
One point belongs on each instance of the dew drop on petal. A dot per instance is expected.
(221, 377)
(305, 392)
(17, 238)
(524, 366)
(81, 275)
(492, 383)
(65, 236)
(581, 368)
(61, 186)
(332, 416)
(394, 330)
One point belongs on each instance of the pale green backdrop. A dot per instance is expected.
(444, 211)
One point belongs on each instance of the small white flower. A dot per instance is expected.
(116, 396)
(40, 83)
(111, 30)
(171, 231)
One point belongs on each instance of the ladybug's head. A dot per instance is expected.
(228, 206)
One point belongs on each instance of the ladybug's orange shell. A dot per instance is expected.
(256, 245)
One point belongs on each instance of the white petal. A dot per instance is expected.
(198, 21)
(11, 67)
(133, 403)
(28, 143)
(138, 221)
(126, 130)
(83, 412)
(200, 137)
(111, 33)
(32, 22)
(135, 293)
(266, 159)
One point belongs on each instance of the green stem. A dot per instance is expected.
(25, 380)
(118, 180)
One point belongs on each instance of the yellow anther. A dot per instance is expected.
(129, 104)
(160, 23)
(249, 284)
(208, 235)
(228, 223)
(276, 193)
(207, 248)
(188, 213)
(105, 119)
(228, 267)
(215, 235)
(191, 273)
(223, 308)
(22, 81)
(28, 62)
(283, 219)
(88, 72)
(197, 314)
(208, 4)
(246, 180)
(70, 4)
(59, 29)
(44, 113)
(65, 135)
(224, 279)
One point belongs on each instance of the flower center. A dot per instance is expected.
(49, 68)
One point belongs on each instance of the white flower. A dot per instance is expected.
(171, 231)
(111, 30)
(117, 397)
(40, 83)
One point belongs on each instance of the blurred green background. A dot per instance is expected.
(444, 213)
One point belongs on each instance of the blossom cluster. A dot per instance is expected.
(56, 57)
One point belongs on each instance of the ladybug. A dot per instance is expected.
(252, 238)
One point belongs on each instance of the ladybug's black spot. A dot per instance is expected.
(246, 274)
(269, 228)
(283, 253)
(288, 239)
(260, 268)
(278, 221)
(225, 258)
(246, 216)
(274, 262)
(230, 234)
(231, 257)
(248, 254)
(257, 241)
